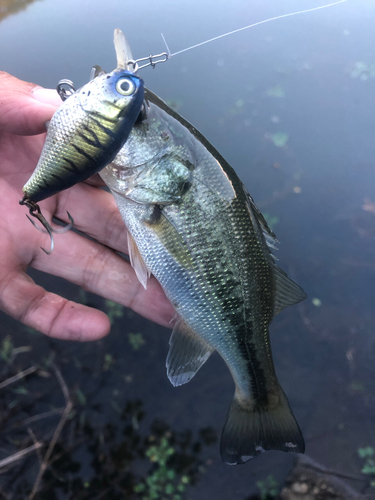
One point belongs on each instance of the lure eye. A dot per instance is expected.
(125, 86)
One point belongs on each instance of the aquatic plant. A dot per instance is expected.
(368, 455)
(238, 107)
(268, 488)
(136, 340)
(279, 139)
(6, 349)
(113, 310)
(362, 70)
(163, 482)
(316, 302)
(108, 361)
(276, 91)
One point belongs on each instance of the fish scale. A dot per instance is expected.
(201, 235)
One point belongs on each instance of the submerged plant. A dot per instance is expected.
(280, 139)
(6, 350)
(136, 340)
(368, 455)
(276, 91)
(268, 488)
(114, 310)
(362, 70)
(163, 482)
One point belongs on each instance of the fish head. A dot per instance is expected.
(113, 95)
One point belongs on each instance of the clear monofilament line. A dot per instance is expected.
(247, 27)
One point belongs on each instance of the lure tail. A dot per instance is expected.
(250, 430)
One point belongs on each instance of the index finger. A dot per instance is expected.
(25, 107)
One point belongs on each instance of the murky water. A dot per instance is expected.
(290, 105)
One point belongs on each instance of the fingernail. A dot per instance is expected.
(47, 96)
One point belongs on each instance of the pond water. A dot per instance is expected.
(289, 104)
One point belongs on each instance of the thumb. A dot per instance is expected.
(25, 107)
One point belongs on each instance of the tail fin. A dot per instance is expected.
(250, 431)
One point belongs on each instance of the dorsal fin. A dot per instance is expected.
(187, 353)
(287, 292)
(258, 214)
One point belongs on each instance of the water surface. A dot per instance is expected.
(290, 105)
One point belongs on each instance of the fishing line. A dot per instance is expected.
(246, 27)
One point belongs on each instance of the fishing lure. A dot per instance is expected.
(84, 134)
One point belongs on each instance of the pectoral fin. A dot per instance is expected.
(187, 353)
(137, 262)
(170, 238)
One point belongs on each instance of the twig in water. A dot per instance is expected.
(33, 437)
(19, 455)
(41, 416)
(17, 377)
(68, 408)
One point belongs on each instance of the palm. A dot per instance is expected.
(91, 264)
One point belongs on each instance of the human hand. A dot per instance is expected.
(94, 265)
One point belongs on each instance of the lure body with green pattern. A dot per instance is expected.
(86, 132)
(193, 225)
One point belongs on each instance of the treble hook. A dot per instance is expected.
(63, 92)
(35, 211)
(150, 59)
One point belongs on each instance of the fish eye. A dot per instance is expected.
(125, 86)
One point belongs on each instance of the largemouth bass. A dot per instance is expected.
(86, 132)
(193, 225)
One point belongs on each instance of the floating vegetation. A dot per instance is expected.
(114, 310)
(269, 488)
(357, 387)
(136, 340)
(238, 107)
(108, 361)
(163, 482)
(362, 70)
(6, 349)
(279, 139)
(368, 455)
(276, 91)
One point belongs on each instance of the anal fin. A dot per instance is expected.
(187, 353)
(137, 262)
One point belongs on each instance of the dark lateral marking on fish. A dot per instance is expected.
(254, 369)
(72, 164)
(105, 129)
(228, 293)
(95, 139)
(82, 152)
(58, 178)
